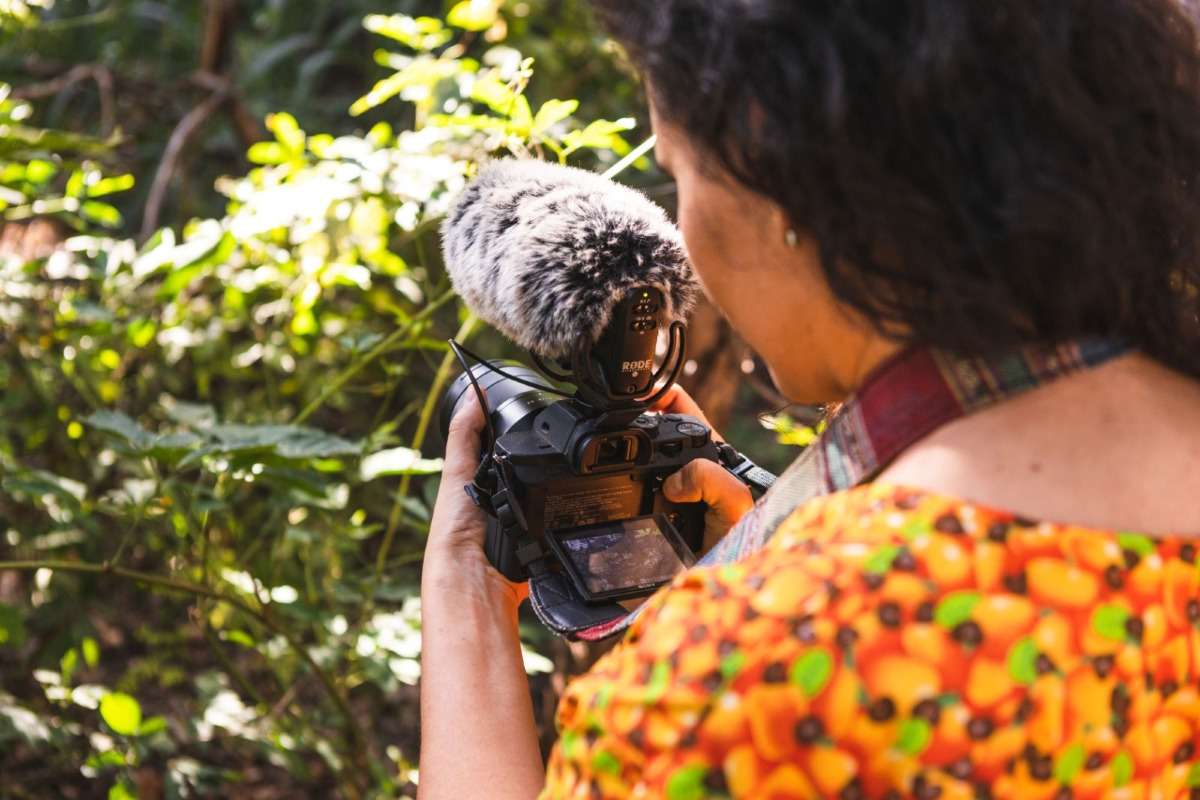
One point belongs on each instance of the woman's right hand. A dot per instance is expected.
(727, 498)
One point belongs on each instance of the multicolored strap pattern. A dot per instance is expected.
(901, 402)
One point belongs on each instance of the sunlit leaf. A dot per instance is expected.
(121, 791)
(91, 651)
(287, 131)
(267, 153)
(419, 33)
(601, 135)
(104, 186)
(398, 461)
(553, 112)
(422, 73)
(122, 713)
(102, 213)
(473, 121)
(75, 185)
(474, 15)
(495, 94)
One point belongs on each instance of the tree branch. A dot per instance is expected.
(188, 127)
(96, 72)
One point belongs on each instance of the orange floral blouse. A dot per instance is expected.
(891, 643)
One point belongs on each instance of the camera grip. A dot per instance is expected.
(501, 552)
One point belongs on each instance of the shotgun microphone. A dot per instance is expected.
(548, 254)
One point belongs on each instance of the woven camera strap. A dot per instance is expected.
(901, 402)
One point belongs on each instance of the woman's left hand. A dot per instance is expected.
(477, 727)
(454, 556)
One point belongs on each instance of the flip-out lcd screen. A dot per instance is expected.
(624, 558)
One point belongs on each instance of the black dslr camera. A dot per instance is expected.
(572, 483)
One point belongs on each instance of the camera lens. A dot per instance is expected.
(511, 403)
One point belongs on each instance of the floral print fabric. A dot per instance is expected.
(891, 643)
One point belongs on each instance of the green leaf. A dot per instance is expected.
(419, 33)
(955, 608)
(474, 15)
(1109, 621)
(495, 94)
(75, 184)
(152, 726)
(37, 482)
(478, 122)
(1069, 763)
(287, 131)
(122, 713)
(687, 783)
(119, 424)
(601, 135)
(1139, 543)
(121, 791)
(288, 441)
(1122, 769)
(553, 112)
(101, 213)
(104, 186)
(521, 117)
(39, 170)
(67, 664)
(913, 736)
(398, 461)
(140, 332)
(239, 637)
(12, 626)
(812, 671)
(1193, 776)
(20, 142)
(193, 415)
(109, 758)
(380, 134)
(1022, 661)
(91, 651)
(267, 153)
(881, 560)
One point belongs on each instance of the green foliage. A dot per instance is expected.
(788, 431)
(227, 426)
(17, 15)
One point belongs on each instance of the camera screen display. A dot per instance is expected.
(621, 557)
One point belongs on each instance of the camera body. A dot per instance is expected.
(573, 483)
(574, 470)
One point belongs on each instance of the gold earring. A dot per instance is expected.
(791, 238)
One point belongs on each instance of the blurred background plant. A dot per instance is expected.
(217, 434)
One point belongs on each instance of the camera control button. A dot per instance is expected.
(697, 432)
(646, 422)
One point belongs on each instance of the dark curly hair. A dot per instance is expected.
(976, 174)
